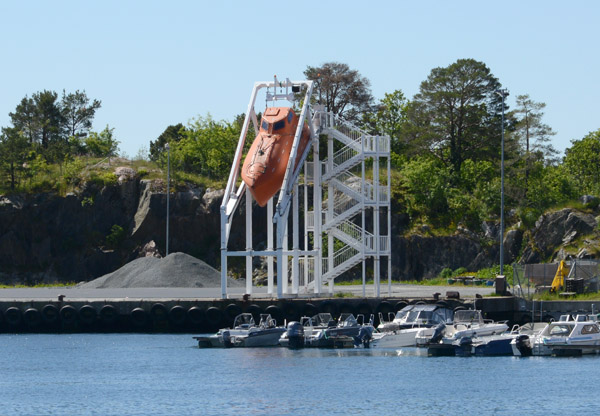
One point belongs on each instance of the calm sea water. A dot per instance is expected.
(129, 374)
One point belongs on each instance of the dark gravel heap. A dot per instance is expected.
(175, 270)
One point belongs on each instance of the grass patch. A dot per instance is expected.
(548, 296)
(343, 295)
(38, 285)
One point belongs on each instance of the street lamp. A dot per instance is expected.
(503, 93)
(168, 182)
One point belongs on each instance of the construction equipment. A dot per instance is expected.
(559, 278)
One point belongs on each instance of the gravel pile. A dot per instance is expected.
(175, 270)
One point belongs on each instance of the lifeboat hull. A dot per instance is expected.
(265, 164)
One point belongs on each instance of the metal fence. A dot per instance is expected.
(531, 278)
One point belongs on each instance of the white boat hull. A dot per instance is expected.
(398, 339)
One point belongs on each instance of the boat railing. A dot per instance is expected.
(390, 317)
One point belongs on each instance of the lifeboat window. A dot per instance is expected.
(264, 126)
(279, 125)
(290, 117)
(590, 329)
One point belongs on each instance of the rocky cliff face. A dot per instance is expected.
(560, 234)
(47, 238)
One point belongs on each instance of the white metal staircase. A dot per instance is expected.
(348, 196)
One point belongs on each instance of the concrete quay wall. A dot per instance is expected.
(208, 315)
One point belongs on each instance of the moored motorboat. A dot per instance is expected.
(409, 321)
(321, 331)
(566, 337)
(442, 339)
(245, 333)
(266, 162)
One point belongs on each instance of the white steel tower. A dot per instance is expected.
(346, 200)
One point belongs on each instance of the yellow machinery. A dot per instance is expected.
(559, 277)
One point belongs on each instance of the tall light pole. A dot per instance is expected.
(503, 93)
(168, 194)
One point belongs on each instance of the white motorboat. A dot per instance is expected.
(245, 333)
(401, 332)
(466, 323)
(321, 331)
(493, 345)
(565, 337)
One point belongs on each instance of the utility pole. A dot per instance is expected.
(503, 93)
(168, 193)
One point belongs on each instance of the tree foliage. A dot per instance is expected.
(582, 161)
(456, 114)
(343, 91)
(78, 112)
(102, 144)
(207, 147)
(172, 134)
(13, 154)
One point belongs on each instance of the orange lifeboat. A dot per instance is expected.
(267, 159)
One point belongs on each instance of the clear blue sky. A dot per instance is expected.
(156, 63)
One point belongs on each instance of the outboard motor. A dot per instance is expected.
(227, 342)
(363, 338)
(523, 344)
(295, 335)
(438, 333)
(463, 349)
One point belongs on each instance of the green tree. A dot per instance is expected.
(172, 135)
(582, 161)
(533, 137)
(207, 148)
(49, 115)
(25, 119)
(102, 144)
(343, 91)
(390, 118)
(456, 114)
(14, 149)
(78, 111)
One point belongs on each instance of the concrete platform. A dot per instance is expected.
(74, 293)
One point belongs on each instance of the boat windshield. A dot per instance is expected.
(401, 314)
(468, 316)
(244, 320)
(347, 319)
(559, 330)
(430, 314)
(321, 319)
(266, 321)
